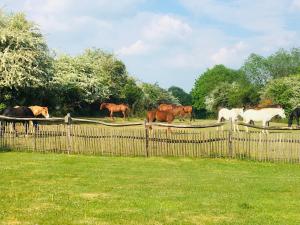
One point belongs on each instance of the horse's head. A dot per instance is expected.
(103, 105)
(281, 113)
(239, 111)
(44, 111)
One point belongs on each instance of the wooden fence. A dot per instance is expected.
(81, 136)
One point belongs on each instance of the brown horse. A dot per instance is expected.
(39, 110)
(165, 107)
(115, 108)
(160, 116)
(177, 110)
(188, 110)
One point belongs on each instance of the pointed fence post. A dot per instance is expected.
(68, 121)
(146, 138)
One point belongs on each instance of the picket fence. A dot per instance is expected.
(80, 136)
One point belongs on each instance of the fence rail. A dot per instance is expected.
(78, 136)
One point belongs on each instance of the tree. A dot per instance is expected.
(154, 95)
(284, 91)
(133, 95)
(282, 63)
(183, 97)
(230, 95)
(25, 61)
(210, 79)
(83, 79)
(256, 69)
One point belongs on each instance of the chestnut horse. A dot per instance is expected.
(39, 110)
(188, 110)
(160, 116)
(116, 108)
(177, 110)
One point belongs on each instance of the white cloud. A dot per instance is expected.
(229, 55)
(136, 48)
(166, 27)
(295, 5)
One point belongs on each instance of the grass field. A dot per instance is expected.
(61, 189)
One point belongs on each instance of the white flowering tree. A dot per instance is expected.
(24, 57)
(284, 91)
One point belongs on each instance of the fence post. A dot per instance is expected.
(146, 138)
(68, 121)
(230, 140)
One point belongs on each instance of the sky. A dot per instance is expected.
(167, 41)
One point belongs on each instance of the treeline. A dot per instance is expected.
(30, 74)
(275, 79)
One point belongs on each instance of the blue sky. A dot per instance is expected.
(167, 41)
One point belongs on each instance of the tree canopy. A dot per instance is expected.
(24, 56)
(259, 70)
(183, 97)
(211, 79)
(284, 91)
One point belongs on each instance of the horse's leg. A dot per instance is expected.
(264, 124)
(36, 126)
(124, 114)
(111, 115)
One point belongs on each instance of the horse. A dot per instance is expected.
(161, 116)
(165, 107)
(116, 108)
(188, 110)
(177, 110)
(230, 114)
(294, 114)
(40, 110)
(19, 112)
(264, 115)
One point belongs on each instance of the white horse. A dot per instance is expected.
(264, 115)
(231, 115)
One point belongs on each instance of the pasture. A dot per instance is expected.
(62, 189)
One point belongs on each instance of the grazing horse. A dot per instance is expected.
(165, 107)
(116, 108)
(177, 110)
(19, 112)
(230, 114)
(161, 116)
(40, 110)
(294, 114)
(264, 115)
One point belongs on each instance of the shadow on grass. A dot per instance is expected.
(4, 149)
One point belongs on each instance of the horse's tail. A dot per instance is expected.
(127, 110)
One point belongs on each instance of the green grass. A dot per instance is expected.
(62, 189)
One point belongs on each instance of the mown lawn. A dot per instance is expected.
(62, 189)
